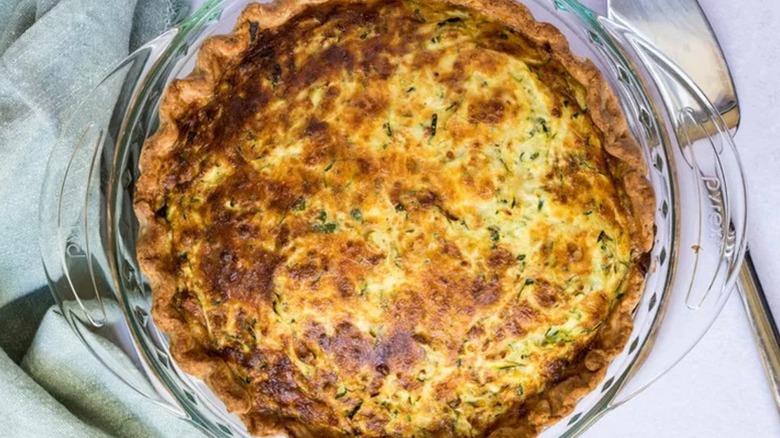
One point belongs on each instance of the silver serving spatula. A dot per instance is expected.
(680, 29)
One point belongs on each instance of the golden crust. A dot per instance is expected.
(185, 96)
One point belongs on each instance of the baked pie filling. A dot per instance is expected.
(393, 218)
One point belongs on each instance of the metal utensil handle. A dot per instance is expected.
(763, 324)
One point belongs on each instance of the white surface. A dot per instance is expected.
(719, 389)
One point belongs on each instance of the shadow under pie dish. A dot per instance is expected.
(393, 218)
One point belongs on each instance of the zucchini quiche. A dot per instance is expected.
(393, 218)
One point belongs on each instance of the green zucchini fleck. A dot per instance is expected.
(495, 236)
(451, 20)
(351, 413)
(326, 228)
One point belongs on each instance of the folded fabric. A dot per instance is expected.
(52, 53)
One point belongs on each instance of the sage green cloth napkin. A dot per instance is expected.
(52, 52)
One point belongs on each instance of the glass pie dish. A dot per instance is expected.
(88, 228)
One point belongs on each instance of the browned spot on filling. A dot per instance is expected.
(490, 112)
(350, 348)
(546, 294)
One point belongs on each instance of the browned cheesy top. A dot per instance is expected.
(393, 218)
